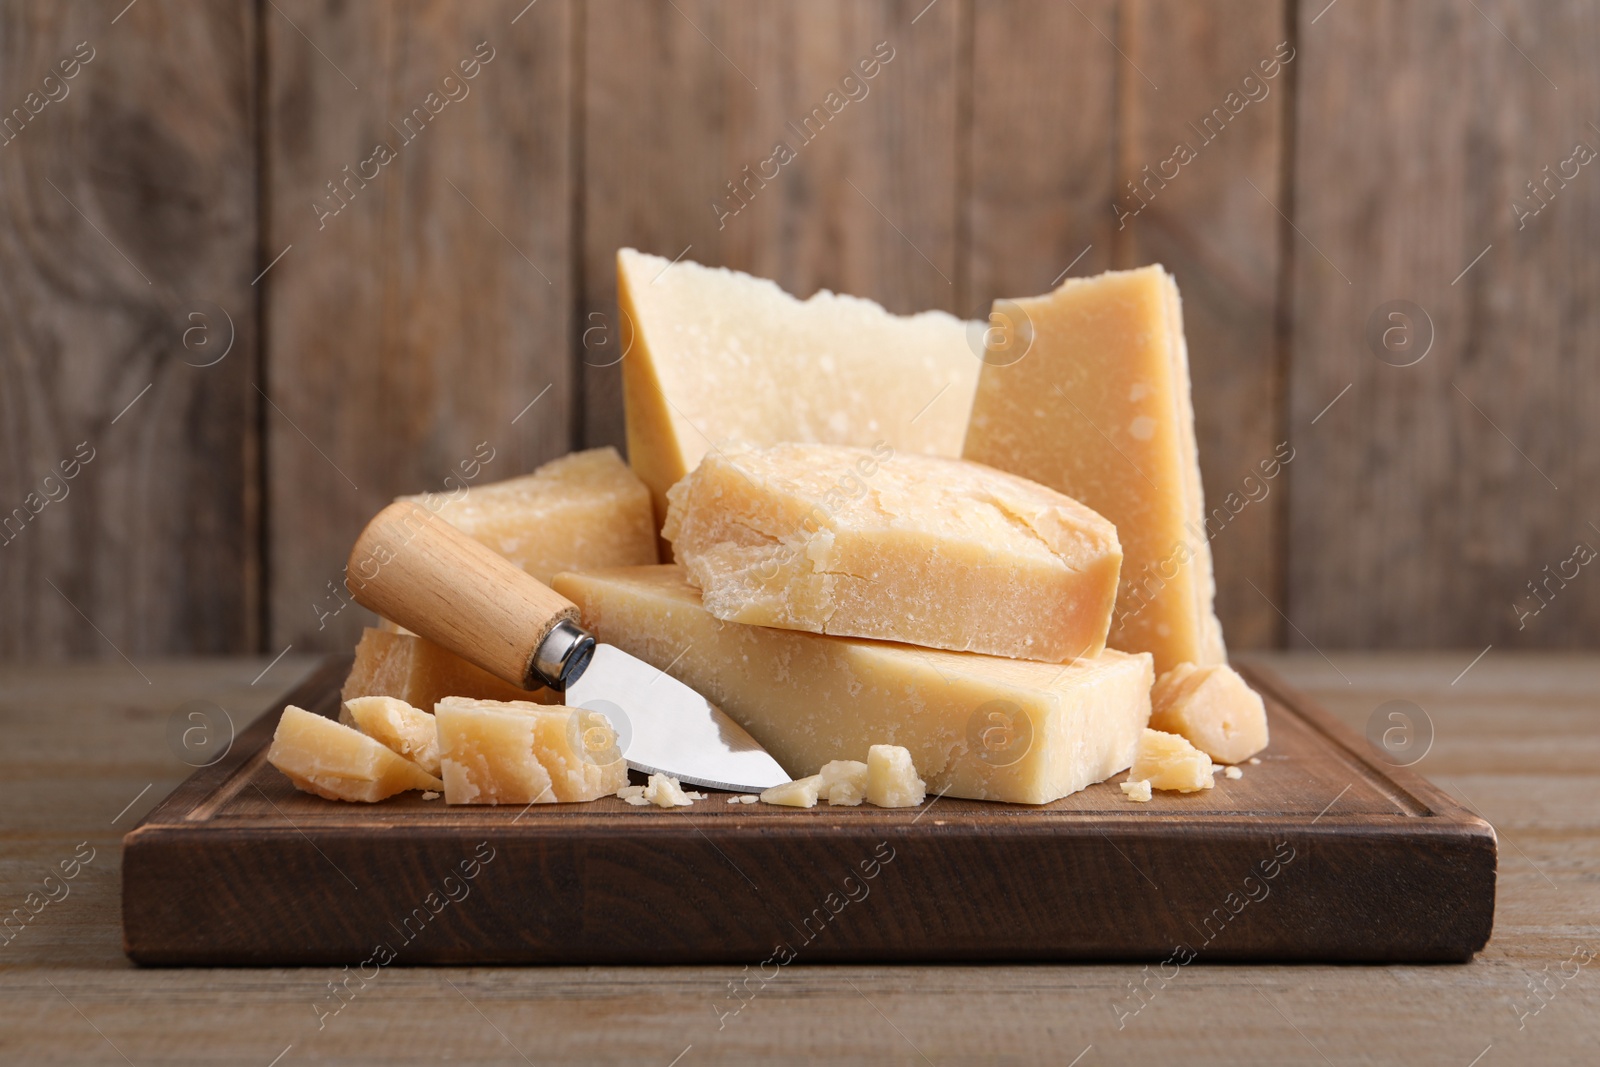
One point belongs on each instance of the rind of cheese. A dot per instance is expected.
(398, 726)
(516, 752)
(1167, 761)
(583, 510)
(844, 782)
(892, 780)
(339, 762)
(921, 549)
(717, 356)
(981, 727)
(1214, 708)
(1098, 407)
(421, 673)
(800, 793)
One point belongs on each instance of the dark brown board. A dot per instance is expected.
(1367, 863)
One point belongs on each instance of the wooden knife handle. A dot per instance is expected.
(416, 569)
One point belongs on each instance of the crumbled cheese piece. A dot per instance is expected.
(1170, 762)
(1139, 790)
(800, 793)
(844, 781)
(749, 798)
(1213, 707)
(892, 780)
(431, 795)
(637, 802)
(1233, 772)
(665, 792)
(630, 791)
(1255, 761)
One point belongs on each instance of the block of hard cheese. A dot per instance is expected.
(1214, 708)
(902, 547)
(515, 752)
(421, 673)
(1098, 407)
(809, 697)
(335, 761)
(717, 355)
(583, 510)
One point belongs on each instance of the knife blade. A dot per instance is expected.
(415, 569)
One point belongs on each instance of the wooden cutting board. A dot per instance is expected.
(1319, 853)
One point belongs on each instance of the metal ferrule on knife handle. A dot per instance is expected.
(415, 569)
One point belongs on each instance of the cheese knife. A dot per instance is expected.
(414, 568)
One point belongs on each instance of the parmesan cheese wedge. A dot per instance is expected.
(1097, 406)
(397, 726)
(335, 761)
(1214, 708)
(583, 510)
(716, 355)
(515, 752)
(975, 726)
(870, 543)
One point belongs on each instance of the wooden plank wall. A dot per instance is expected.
(214, 174)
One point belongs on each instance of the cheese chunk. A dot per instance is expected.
(976, 726)
(800, 793)
(583, 510)
(515, 752)
(844, 781)
(421, 673)
(1214, 708)
(717, 356)
(1167, 761)
(1098, 407)
(1137, 791)
(664, 791)
(922, 549)
(397, 726)
(335, 761)
(892, 780)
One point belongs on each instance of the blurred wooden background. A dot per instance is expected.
(160, 210)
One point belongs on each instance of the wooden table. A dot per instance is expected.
(1517, 738)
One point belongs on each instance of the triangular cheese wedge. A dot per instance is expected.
(717, 355)
(1090, 396)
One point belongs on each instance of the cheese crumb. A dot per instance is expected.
(749, 798)
(892, 780)
(844, 781)
(800, 793)
(431, 795)
(637, 802)
(1233, 772)
(1212, 707)
(1139, 791)
(1255, 761)
(1168, 761)
(664, 792)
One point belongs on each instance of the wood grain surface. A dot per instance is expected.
(1467, 456)
(408, 334)
(472, 276)
(128, 337)
(1516, 738)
